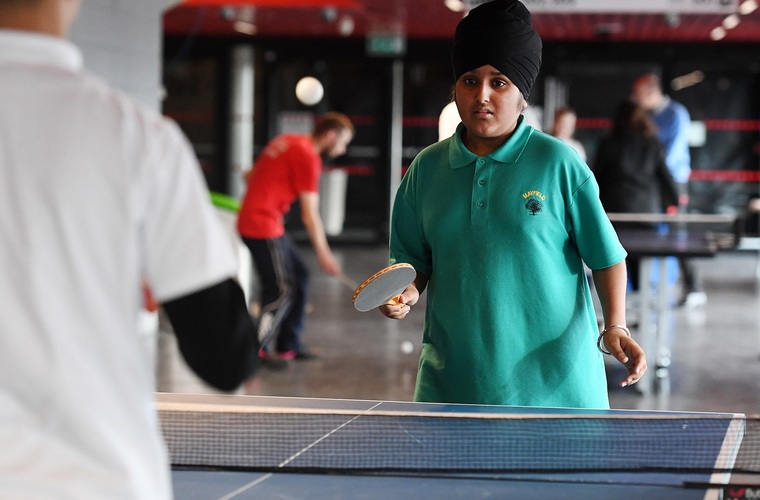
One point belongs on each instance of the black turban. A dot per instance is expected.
(499, 33)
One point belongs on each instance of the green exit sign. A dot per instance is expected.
(386, 44)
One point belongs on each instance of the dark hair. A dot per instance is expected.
(648, 80)
(632, 119)
(332, 121)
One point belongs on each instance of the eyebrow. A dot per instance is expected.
(493, 73)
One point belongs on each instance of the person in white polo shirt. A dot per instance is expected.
(97, 194)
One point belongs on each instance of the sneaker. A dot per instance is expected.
(694, 299)
(306, 355)
(298, 355)
(272, 362)
(287, 355)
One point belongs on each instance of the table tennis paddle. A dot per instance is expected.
(383, 286)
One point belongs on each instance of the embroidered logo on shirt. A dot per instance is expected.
(533, 203)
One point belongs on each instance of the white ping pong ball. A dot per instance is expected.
(407, 347)
(309, 90)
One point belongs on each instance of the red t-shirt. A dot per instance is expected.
(288, 166)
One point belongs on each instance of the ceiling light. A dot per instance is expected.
(717, 33)
(244, 27)
(748, 7)
(672, 20)
(330, 14)
(454, 5)
(687, 80)
(228, 13)
(346, 25)
(731, 22)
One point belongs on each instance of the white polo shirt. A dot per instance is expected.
(95, 193)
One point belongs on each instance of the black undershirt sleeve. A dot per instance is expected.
(216, 334)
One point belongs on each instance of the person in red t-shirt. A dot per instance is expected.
(287, 170)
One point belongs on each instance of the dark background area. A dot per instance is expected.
(595, 76)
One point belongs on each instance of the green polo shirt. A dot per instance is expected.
(502, 239)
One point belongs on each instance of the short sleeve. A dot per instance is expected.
(184, 244)
(592, 230)
(407, 242)
(306, 169)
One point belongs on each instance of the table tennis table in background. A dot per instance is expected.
(240, 447)
(654, 238)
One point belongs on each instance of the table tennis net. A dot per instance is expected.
(287, 439)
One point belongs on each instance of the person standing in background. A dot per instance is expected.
(631, 171)
(98, 196)
(288, 169)
(564, 128)
(673, 124)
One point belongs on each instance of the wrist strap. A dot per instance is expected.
(599, 341)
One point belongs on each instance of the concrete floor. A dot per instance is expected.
(715, 348)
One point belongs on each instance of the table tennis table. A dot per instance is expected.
(241, 447)
(668, 236)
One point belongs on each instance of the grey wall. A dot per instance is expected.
(121, 42)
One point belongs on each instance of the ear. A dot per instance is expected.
(326, 140)
(329, 136)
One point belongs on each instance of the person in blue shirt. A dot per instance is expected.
(673, 123)
(498, 220)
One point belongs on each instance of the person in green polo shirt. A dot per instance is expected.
(498, 221)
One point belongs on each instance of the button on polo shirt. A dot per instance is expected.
(480, 192)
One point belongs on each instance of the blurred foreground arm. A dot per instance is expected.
(216, 334)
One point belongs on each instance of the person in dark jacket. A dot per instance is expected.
(631, 170)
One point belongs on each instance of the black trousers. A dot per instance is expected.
(284, 281)
(689, 276)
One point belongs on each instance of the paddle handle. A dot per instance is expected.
(395, 301)
(353, 285)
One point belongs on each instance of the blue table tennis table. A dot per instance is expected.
(245, 485)
(720, 446)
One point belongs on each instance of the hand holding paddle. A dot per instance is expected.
(401, 305)
(384, 287)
